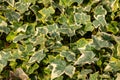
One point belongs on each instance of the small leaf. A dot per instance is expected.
(70, 56)
(37, 56)
(70, 70)
(81, 43)
(81, 18)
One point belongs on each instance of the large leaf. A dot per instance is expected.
(86, 57)
(12, 15)
(58, 68)
(99, 43)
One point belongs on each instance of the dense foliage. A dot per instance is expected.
(60, 39)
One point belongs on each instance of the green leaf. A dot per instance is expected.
(12, 15)
(99, 43)
(99, 10)
(94, 76)
(81, 18)
(88, 27)
(113, 27)
(33, 68)
(81, 43)
(19, 37)
(70, 70)
(3, 27)
(86, 57)
(70, 56)
(37, 56)
(113, 65)
(4, 57)
(101, 20)
(11, 36)
(21, 6)
(58, 68)
(46, 12)
(67, 31)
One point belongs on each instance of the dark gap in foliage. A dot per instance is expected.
(108, 17)
(32, 76)
(37, 47)
(74, 4)
(96, 4)
(40, 5)
(94, 32)
(19, 62)
(88, 35)
(56, 1)
(85, 2)
(16, 0)
(66, 39)
(117, 19)
(29, 16)
(57, 12)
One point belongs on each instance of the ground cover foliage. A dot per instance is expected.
(60, 39)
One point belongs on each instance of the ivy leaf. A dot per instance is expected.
(58, 68)
(70, 56)
(37, 56)
(21, 6)
(99, 43)
(94, 76)
(3, 27)
(81, 18)
(113, 65)
(18, 37)
(86, 57)
(12, 15)
(4, 57)
(67, 31)
(70, 70)
(46, 12)
(101, 20)
(99, 10)
(113, 27)
(88, 27)
(81, 43)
